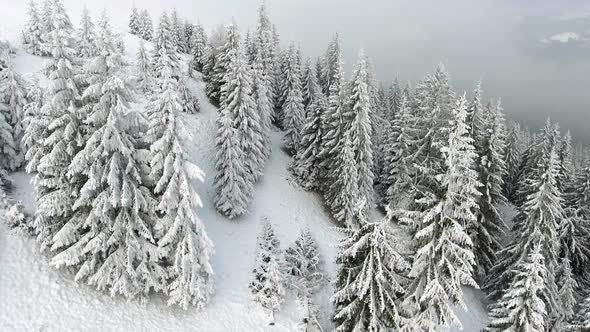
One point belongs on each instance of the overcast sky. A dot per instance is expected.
(533, 54)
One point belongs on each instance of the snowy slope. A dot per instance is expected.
(36, 297)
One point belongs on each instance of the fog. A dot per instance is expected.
(533, 54)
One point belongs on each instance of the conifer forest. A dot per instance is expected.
(159, 172)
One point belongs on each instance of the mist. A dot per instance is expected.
(532, 54)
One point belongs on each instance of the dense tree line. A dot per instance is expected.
(115, 205)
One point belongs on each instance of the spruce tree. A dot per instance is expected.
(565, 178)
(146, 29)
(522, 307)
(188, 30)
(184, 241)
(134, 21)
(360, 131)
(16, 218)
(261, 95)
(265, 42)
(567, 287)
(444, 258)
(176, 35)
(476, 117)
(189, 102)
(581, 320)
(266, 45)
(347, 198)
(282, 90)
(335, 124)
(574, 229)
(35, 124)
(30, 110)
(164, 43)
(232, 185)
(237, 92)
(332, 66)
(379, 123)
(310, 85)
(13, 90)
(113, 202)
(395, 96)
(304, 272)
(512, 161)
(86, 47)
(267, 281)
(318, 73)
(277, 87)
(534, 225)
(239, 158)
(574, 236)
(8, 147)
(145, 72)
(293, 113)
(432, 105)
(581, 190)
(223, 59)
(397, 163)
(57, 133)
(487, 231)
(46, 17)
(370, 280)
(528, 162)
(249, 48)
(306, 165)
(214, 45)
(198, 43)
(33, 32)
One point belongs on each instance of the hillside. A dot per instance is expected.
(36, 297)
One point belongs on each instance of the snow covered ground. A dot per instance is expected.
(36, 297)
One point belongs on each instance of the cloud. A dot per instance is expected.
(563, 37)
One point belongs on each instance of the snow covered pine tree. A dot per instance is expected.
(113, 203)
(522, 308)
(371, 279)
(305, 276)
(444, 259)
(183, 241)
(267, 283)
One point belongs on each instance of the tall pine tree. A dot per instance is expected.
(535, 225)
(304, 272)
(57, 133)
(134, 21)
(444, 258)
(239, 158)
(306, 165)
(184, 241)
(86, 47)
(370, 281)
(361, 130)
(33, 31)
(111, 240)
(267, 282)
(293, 113)
(522, 307)
(487, 231)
